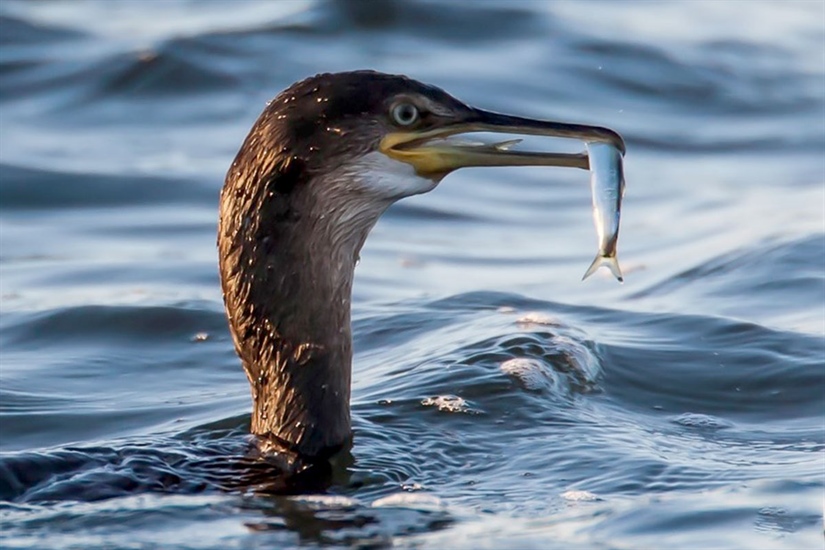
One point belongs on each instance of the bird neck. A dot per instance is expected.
(287, 261)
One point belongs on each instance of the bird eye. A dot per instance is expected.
(405, 114)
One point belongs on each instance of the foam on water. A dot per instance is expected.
(532, 374)
(447, 403)
(419, 501)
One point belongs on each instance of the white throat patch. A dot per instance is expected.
(389, 179)
(353, 197)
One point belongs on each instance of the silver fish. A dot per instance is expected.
(607, 188)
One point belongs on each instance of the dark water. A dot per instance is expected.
(683, 409)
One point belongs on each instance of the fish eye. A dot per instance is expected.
(405, 114)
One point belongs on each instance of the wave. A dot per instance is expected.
(15, 31)
(40, 189)
(780, 278)
(88, 324)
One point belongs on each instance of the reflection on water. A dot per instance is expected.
(497, 400)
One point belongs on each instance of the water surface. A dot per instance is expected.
(498, 401)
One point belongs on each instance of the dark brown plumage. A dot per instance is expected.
(286, 269)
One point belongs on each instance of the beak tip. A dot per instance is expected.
(614, 138)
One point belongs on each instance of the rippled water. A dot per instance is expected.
(498, 401)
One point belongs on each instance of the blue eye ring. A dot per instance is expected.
(405, 114)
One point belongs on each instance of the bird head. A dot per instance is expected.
(326, 157)
(382, 137)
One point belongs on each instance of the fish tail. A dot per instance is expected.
(610, 262)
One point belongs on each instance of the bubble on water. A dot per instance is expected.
(532, 374)
(418, 501)
(579, 496)
(581, 359)
(200, 337)
(538, 318)
(447, 403)
(700, 421)
(326, 502)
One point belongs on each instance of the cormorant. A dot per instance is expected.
(323, 161)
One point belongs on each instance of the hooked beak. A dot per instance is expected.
(433, 155)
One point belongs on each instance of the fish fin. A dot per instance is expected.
(610, 262)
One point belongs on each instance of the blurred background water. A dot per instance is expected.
(498, 401)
